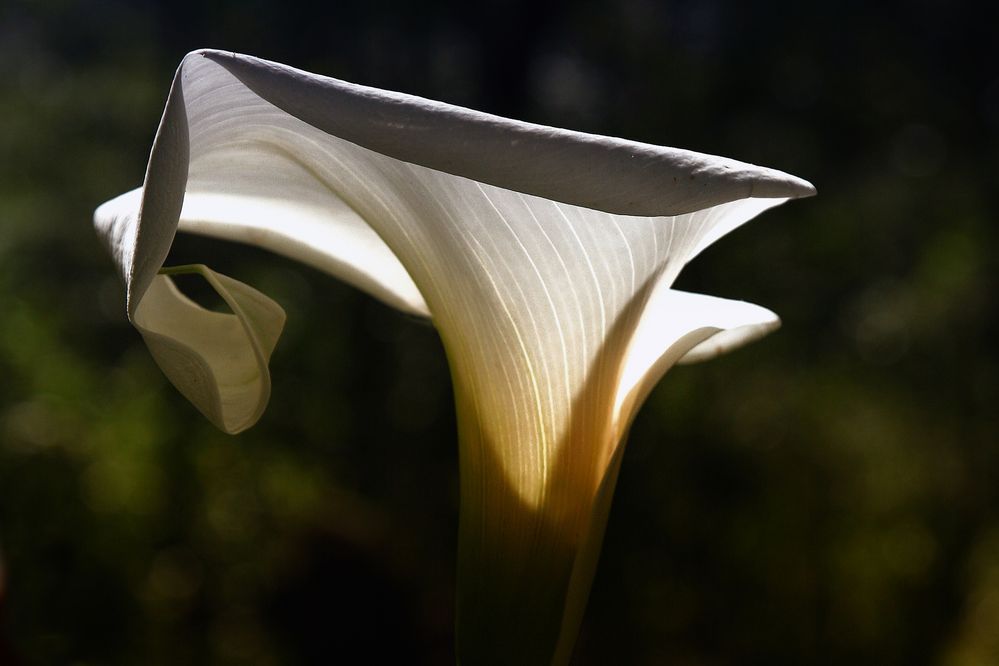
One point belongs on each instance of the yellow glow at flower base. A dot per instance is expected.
(526, 560)
(544, 257)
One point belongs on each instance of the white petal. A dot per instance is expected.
(217, 360)
(325, 234)
(544, 257)
(680, 327)
(532, 296)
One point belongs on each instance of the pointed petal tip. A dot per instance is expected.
(772, 183)
(804, 188)
(760, 322)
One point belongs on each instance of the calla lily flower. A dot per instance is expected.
(544, 257)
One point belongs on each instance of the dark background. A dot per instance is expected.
(829, 495)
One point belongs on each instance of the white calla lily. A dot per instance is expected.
(544, 257)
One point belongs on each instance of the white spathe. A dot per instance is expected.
(543, 256)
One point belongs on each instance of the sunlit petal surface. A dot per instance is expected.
(544, 258)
